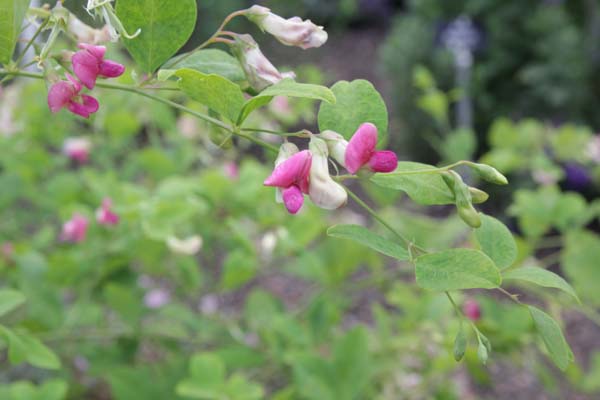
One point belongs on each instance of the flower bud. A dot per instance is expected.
(336, 144)
(291, 32)
(258, 69)
(489, 173)
(286, 150)
(478, 196)
(323, 191)
(462, 198)
(472, 310)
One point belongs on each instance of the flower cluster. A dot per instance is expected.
(88, 65)
(75, 229)
(306, 172)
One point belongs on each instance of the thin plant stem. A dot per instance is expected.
(30, 42)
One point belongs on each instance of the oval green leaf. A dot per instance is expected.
(553, 338)
(456, 269)
(208, 61)
(496, 241)
(424, 188)
(367, 238)
(289, 88)
(12, 13)
(357, 102)
(541, 277)
(214, 91)
(9, 300)
(165, 26)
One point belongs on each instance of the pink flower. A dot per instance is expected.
(104, 215)
(89, 64)
(157, 298)
(361, 151)
(77, 149)
(7, 250)
(292, 176)
(472, 310)
(231, 170)
(74, 230)
(66, 94)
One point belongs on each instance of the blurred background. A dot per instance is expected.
(282, 311)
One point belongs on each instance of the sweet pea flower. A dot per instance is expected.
(66, 94)
(361, 151)
(472, 310)
(324, 191)
(74, 230)
(291, 32)
(291, 175)
(89, 64)
(104, 214)
(77, 149)
(258, 69)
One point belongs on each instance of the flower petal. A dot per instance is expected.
(383, 161)
(90, 103)
(97, 51)
(361, 147)
(294, 169)
(87, 67)
(293, 199)
(111, 69)
(60, 95)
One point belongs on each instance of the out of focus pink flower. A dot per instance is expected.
(104, 214)
(87, 34)
(66, 94)
(472, 310)
(231, 170)
(89, 64)
(292, 176)
(77, 149)
(74, 230)
(156, 298)
(7, 250)
(361, 151)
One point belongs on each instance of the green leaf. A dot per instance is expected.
(357, 102)
(424, 188)
(165, 26)
(12, 13)
(24, 347)
(496, 241)
(456, 269)
(541, 277)
(217, 93)
(367, 238)
(9, 300)
(289, 88)
(207, 378)
(460, 343)
(208, 61)
(351, 364)
(557, 346)
(580, 264)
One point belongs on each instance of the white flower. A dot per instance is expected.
(190, 245)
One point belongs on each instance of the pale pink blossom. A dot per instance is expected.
(361, 151)
(66, 94)
(77, 149)
(7, 250)
(89, 64)
(231, 170)
(104, 214)
(156, 298)
(292, 176)
(85, 33)
(74, 230)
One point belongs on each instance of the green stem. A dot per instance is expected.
(30, 42)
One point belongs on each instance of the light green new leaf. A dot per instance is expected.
(456, 269)
(165, 26)
(557, 346)
(12, 13)
(9, 300)
(207, 61)
(207, 378)
(357, 102)
(424, 188)
(24, 347)
(214, 91)
(496, 241)
(367, 238)
(289, 88)
(541, 277)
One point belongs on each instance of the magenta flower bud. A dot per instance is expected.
(362, 151)
(292, 176)
(324, 191)
(89, 64)
(77, 149)
(258, 69)
(472, 310)
(74, 230)
(104, 214)
(66, 94)
(291, 32)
